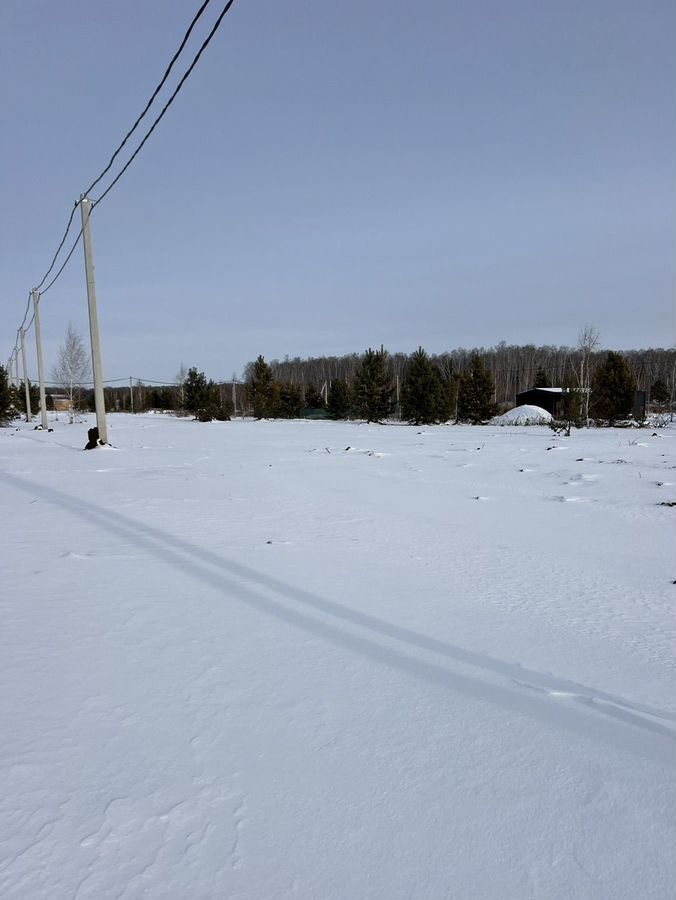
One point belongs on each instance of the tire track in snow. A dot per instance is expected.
(634, 730)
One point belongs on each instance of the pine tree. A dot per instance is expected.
(613, 389)
(34, 392)
(541, 379)
(425, 396)
(6, 404)
(373, 392)
(202, 398)
(194, 390)
(475, 393)
(659, 392)
(259, 388)
(313, 399)
(290, 404)
(339, 402)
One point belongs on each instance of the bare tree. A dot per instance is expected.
(72, 368)
(179, 381)
(587, 344)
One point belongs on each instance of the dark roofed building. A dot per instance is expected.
(550, 398)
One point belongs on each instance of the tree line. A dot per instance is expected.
(464, 385)
(427, 392)
(513, 367)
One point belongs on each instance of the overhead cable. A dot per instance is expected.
(63, 265)
(153, 95)
(28, 306)
(58, 249)
(166, 106)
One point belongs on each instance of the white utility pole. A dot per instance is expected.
(234, 399)
(16, 367)
(131, 394)
(41, 365)
(29, 414)
(99, 403)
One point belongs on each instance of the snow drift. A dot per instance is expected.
(524, 415)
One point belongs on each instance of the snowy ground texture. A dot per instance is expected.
(329, 660)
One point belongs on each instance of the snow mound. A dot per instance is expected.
(524, 415)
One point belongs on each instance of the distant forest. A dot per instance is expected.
(512, 367)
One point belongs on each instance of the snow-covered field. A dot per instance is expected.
(330, 660)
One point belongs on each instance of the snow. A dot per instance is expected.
(524, 415)
(240, 660)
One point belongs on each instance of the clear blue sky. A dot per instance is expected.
(337, 176)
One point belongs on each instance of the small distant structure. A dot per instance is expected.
(549, 398)
(60, 402)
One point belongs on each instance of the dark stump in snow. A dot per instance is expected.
(92, 439)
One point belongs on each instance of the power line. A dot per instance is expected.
(58, 249)
(124, 141)
(28, 306)
(63, 265)
(166, 106)
(171, 99)
(152, 98)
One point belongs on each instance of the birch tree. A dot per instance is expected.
(72, 368)
(587, 344)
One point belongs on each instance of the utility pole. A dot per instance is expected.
(85, 210)
(131, 394)
(16, 367)
(41, 365)
(29, 414)
(234, 399)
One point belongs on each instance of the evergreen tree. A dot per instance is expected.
(163, 397)
(475, 393)
(34, 392)
(339, 402)
(572, 405)
(202, 397)
(613, 389)
(659, 392)
(313, 399)
(425, 396)
(290, 404)
(194, 390)
(6, 398)
(541, 379)
(373, 392)
(259, 388)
